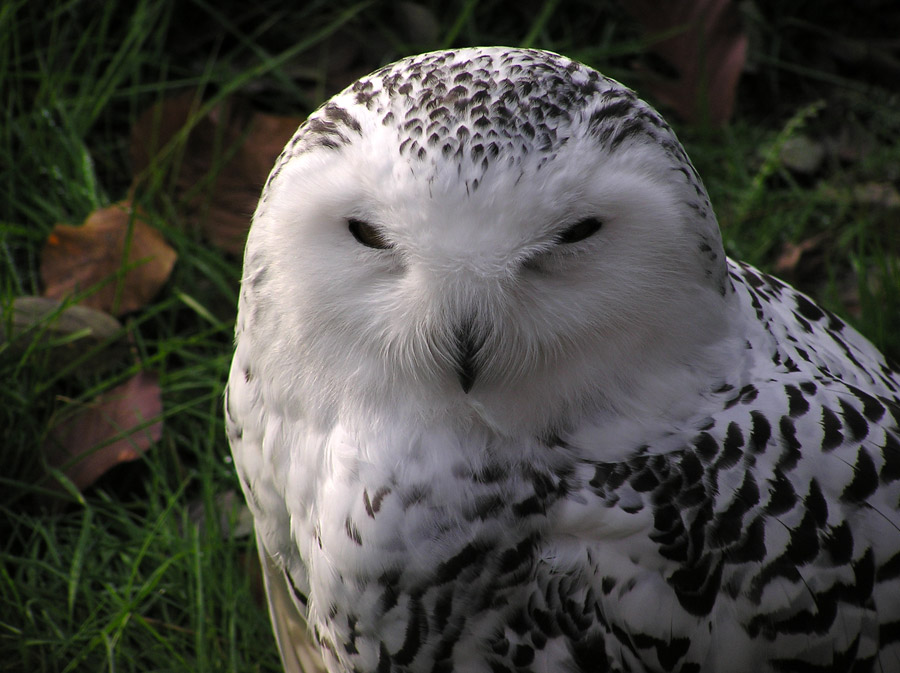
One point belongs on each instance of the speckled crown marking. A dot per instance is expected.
(513, 108)
(486, 105)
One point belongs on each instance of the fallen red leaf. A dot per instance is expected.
(708, 51)
(107, 431)
(76, 258)
(225, 162)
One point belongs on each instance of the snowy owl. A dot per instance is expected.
(499, 401)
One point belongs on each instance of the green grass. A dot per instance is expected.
(148, 569)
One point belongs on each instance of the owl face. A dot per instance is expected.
(511, 273)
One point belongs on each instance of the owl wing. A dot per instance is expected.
(299, 652)
(772, 534)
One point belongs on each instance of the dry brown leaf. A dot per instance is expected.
(235, 519)
(708, 51)
(878, 194)
(333, 63)
(82, 445)
(224, 165)
(803, 262)
(801, 154)
(805, 266)
(76, 258)
(417, 23)
(67, 334)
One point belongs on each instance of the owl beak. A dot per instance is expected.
(468, 346)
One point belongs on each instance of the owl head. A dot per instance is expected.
(487, 236)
